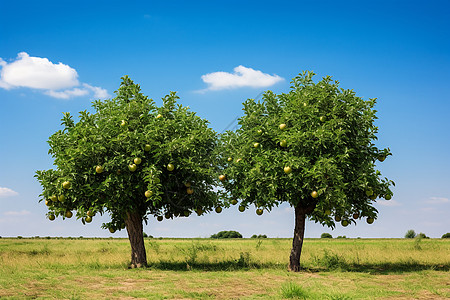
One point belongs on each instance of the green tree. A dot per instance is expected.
(410, 234)
(131, 159)
(312, 148)
(326, 235)
(446, 235)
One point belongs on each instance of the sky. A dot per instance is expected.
(59, 56)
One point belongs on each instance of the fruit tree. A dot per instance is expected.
(131, 160)
(315, 151)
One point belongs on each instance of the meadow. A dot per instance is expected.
(225, 269)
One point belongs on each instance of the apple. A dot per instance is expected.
(369, 192)
(260, 131)
(148, 194)
(241, 208)
(218, 209)
(147, 148)
(328, 212)
(68, 214)
(170, 167)
(256, 145)
(123, 123)
(337, 218)
(90, 213)
(233, 202)
(287, 169)
(54, 198)
(189, 191)
(388, 197)
(344, 223)
(88, 219)
(66, 185)
(51, 217)
(282, 126)
(158, 116)
(259, 211)
(159, 218)
(283, 143)
(314, 194)
(61, 198)
(137, 160)
(222, 177)
(323, 119)
(99, 169)
(132, 167)
(355, 215)
(230, 159)
(370, 220)
(112, 230)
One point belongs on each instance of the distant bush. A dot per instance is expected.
(326, 235)
(422, 235)
(227, 235)
(445, 236)
(261, 236)
(19, 237)
(410, 234)
(341, 237)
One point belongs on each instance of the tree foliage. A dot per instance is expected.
(326, 235)
(410, 234)
(107, 160)
(312, 147)
(230, 234)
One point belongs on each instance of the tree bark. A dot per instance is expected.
(297, 242)
(133, 223)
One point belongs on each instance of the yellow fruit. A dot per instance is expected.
(314, 194)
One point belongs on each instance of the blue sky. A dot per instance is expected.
(76, 51)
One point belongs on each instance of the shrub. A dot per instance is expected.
(326, 235)
(341, 237)
(422, 235)
(446, 236)
(231, 234)
(410, 234)
(261, 236)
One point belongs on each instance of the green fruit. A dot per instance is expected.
(259, 211)
(388, 197)
(147, 148)
(314, 194)
(218, 209)
(132, 167)
(189, 191)
(222, 177)
(148, 194)
(256, 145)
(123, 123)
(90, 213)
(241, 208)
(322, 119)
(88, 219)
(230, 159)
(159, 218)
(51, 217)
(170, 167)
(369, 192)
(99, 169)
(370, 220)
(287, 170)
(344, 223)
(381, 158)
(158, 116)
(328, 212)
(61, 198)
(112, 230)
(233, 202)
(283, 143)
(137, 160)
(355, 216)
(48, 202)
(337, 218)
(68, 214)
(260, 131)
(282, 126)
(66, 185)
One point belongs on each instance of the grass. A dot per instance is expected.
(225, 269)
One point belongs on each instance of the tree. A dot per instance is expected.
(131, 159)
(410, 234)
(312, 148)
(446, 235)
(231, 234)
(326, 235)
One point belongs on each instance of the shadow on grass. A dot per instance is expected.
(237, 265)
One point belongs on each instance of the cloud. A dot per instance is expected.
(242, 77)
(17, 213)
(388, 203)
(437, 200)
(6, 192)
(57, 80)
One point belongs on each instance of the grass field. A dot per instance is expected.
(225, 269)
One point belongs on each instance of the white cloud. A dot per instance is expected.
(17, 213)
(242, 77)
(6, 192)
(57, 80)
(437, 200)
(388, 203)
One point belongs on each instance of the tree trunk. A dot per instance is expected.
(133, 223)
(297, 242)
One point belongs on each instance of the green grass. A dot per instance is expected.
(225, 269)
